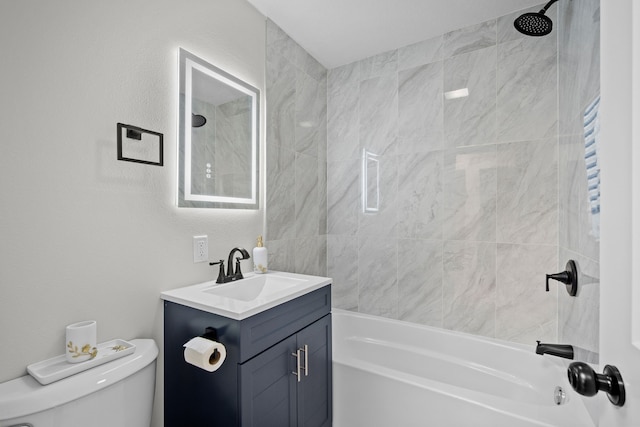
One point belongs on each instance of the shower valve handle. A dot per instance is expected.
(569, 277)
(563, 277)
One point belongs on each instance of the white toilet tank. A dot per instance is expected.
(118, 393)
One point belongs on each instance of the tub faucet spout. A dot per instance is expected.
(559, 350)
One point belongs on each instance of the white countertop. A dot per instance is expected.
(200, 297)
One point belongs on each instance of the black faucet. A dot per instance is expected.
(231, 274)
(560, 350)
(236, 275)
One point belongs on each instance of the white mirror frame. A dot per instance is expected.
(185, 196)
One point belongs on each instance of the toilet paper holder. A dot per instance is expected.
(211, 334)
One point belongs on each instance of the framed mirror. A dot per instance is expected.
(218, 137)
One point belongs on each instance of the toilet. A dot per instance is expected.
(117, 393)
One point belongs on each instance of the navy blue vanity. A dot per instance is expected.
(277, 370)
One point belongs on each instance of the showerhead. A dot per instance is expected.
(535, 24)
(197, 120)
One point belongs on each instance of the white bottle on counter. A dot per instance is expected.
(260, 257)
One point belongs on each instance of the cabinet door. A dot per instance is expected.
(268, 387)
(315, 386)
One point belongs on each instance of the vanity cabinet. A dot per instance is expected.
(290, 383)
(257, 385)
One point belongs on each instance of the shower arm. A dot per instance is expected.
(547, 6)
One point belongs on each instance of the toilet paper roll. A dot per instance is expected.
(205, 354)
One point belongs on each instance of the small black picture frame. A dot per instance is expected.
(134, 133)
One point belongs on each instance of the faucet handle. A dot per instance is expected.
(220, 272)
(569, 277)
(238, 274)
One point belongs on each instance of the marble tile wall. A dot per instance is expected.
(579, 84)
(480, 196)
(471, 189)
(296, 213)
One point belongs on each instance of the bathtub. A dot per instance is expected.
(393, 373)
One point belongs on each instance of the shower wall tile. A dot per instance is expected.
(279, 44)
(281, 92)
(377, 274)
(572, 190)
(420, 109)
(589, 230)
(345, 75)
(527, 207)
(527, 96)
(296, 196)
(579, 61)
(307, 196)
(420, 281)
(579, 84)
(470, 38)
(469, 186)
(343, 116)
(469, 272)
(281, 254)
(474, 190)
(322, 198)
(342, 267)
(521, 271)
(310, 113)
(309, 64)
(310, 256)
(406, 146)
(378, 109)
(281, 193)
(420, 195)
(384, 64)
(343, 193)
(579, 317)
(421, 53)
(471, 120)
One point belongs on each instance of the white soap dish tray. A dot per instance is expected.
(57, 368)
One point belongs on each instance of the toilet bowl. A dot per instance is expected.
(118, 393)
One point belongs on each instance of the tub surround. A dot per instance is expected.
(296, 93)
(467, 227)
(481, 196)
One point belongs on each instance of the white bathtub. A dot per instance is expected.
(393, 373)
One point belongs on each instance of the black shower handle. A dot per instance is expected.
(563, 277)
(569, 277)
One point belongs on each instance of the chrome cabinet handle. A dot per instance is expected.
(297, 371)
(306, 360)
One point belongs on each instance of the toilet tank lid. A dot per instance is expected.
(24, 395)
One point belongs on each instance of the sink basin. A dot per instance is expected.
(255, 287)
(244, 298)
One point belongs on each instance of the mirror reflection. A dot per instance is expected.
(218, 141)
